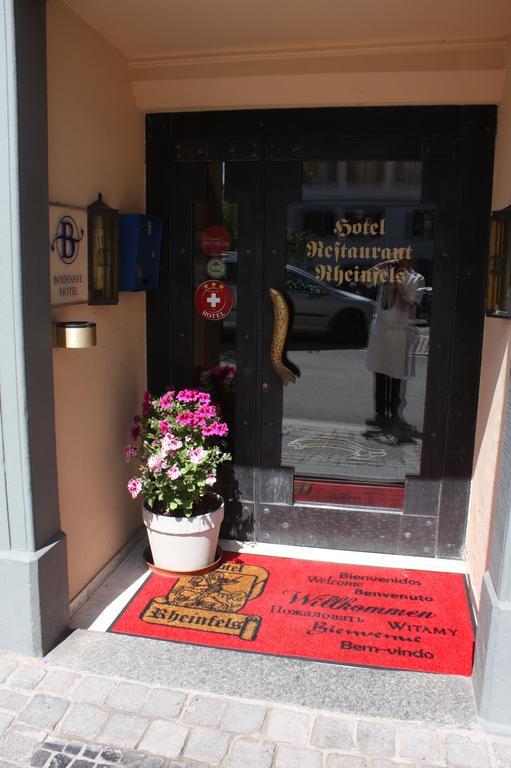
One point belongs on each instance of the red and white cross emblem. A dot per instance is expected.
(213, 300)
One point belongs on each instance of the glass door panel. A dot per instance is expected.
(214, 341)
(359, 281)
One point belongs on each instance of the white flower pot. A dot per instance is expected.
(183, 543)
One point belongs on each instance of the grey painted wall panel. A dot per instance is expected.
(500, 561)
(17, 468)
(5, 537)
(33, 572)
(492, 667)
(30, 29)
(34, 606)
(29, 501)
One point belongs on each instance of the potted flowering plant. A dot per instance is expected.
(175, 443)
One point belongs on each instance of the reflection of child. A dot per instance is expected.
(391, 337)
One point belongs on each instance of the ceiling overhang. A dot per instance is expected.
(346, 58)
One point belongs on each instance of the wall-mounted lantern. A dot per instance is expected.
(103, 243)
(498, 299)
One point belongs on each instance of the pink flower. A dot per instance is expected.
(223, 370)
(164, 426)
(217, 428)
(188, 395)
(167, 400)
(135, 433)
(156, 464)
(204, 398)
(210, 479)
(174, 472)
(185, 418)
(146, 403)
(206, 411)
(197, 455)
(134, 487)
(171, 443)
(130, 451)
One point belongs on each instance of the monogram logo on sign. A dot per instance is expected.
(211, 602)
(67, 239)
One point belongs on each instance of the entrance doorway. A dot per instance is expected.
(353, 244)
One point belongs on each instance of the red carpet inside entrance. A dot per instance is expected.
(348, 614)
(358, 494)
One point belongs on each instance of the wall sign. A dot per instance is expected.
(215, 239)
(68, 255)
(213, 300)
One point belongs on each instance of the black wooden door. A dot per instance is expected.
(282, 181)
(367, 525)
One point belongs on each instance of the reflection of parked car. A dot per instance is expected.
(317, 307)
(322, 309)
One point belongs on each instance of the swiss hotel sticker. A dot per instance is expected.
(213, 300)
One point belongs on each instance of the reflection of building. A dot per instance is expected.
(362, 190)
(67, 410)
(363, 180)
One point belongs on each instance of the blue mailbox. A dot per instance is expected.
(139, 251)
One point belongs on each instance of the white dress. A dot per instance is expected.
(392, 330)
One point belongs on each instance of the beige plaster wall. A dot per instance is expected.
(319, 90)
(494, 377)
(96, 144)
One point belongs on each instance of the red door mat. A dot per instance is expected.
(381, 617)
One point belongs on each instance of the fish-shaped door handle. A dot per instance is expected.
(279, 335)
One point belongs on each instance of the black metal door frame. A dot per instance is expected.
(456, 145)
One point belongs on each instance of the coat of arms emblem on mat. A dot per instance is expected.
(211, 602)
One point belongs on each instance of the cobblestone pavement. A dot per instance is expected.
(52, 717)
